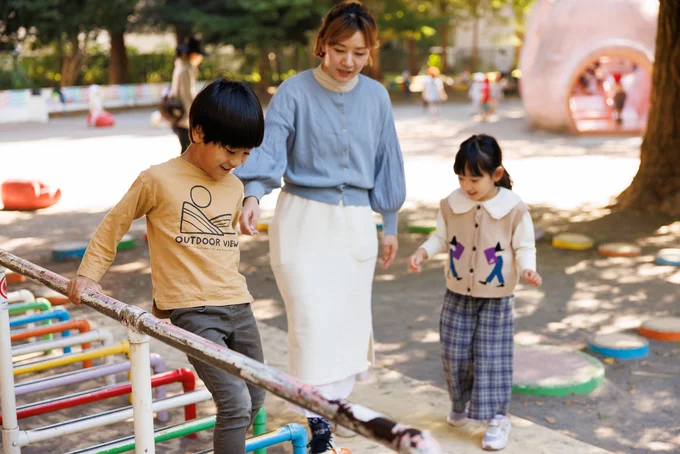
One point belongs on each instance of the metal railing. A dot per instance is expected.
(141, 326)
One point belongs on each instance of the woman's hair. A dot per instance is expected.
(343, 21)
(479, 155)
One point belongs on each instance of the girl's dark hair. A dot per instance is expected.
(229, 114)
(481, 154)
(343, 21)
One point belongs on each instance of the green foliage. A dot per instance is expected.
(435, 60)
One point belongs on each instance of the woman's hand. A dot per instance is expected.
(390, 247)
(249, 216)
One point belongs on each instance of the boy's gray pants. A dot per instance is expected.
(237, 402)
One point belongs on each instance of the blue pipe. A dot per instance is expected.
(294, 433)
(59, 313)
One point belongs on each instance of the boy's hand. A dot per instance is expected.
(249, 216)
(416, 259)
(390, 247)
(78, 285)
(531, 277)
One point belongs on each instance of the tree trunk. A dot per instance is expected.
(182, 32)
(297, 63)
(656, 187)
(118, 61)
(444, 43)
(519, 35)
(414, 67)
(518, 49)
(475, 43)
(72, 63)
(264, 68)
(374, 71)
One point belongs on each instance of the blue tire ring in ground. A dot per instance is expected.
(620, 346)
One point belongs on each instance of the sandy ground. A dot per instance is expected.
(567, 181)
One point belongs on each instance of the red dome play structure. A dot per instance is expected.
(28, 195)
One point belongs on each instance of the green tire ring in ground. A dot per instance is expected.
(586, 375)
(421, 228)
(127, 242)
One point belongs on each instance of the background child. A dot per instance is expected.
(433, 91)
(489, 236)
(192, 204)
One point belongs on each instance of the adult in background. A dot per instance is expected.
(330, 134)
(183, 86)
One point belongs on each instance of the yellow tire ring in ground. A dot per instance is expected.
(573, 241)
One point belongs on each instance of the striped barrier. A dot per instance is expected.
(55, 314)
(157, 364)
(29, 437)
(48, 330)
(72, 358)
(102, 336)
(184, 376)
(40, 304)
(19, 296)
(294, 433)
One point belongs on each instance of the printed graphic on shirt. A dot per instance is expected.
(194, 220)
(455, 252)
(494, 258)
(198, 230)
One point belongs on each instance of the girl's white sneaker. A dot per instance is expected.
(497, 433)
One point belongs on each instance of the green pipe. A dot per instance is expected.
(42, 304)
(260, 427)
(183, 429)
(39, 303)
(169, 433)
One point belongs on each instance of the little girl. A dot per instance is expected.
(489, 236)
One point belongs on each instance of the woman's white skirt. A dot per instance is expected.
(323, 257)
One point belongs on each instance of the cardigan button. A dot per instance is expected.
(474, 248)
(479, 207)
(468, 289)
(476, 225)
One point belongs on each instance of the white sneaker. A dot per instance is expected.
(458, 419)
(497, 433)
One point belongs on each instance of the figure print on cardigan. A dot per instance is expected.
(455, 252)
(495, 259)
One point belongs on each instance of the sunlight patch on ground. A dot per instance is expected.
(585, 321)
(266, 309)
(528, 338)
(429, 337)
(29, 242)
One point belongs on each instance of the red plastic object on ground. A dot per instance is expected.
(103, 119)
(28, 195)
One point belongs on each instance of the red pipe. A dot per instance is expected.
(186, 376)
(83, 326)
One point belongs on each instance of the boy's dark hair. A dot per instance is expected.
(481, 154)
(228, 113)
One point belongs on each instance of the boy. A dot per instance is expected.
(192, 204)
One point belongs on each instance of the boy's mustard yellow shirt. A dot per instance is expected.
(193, 246)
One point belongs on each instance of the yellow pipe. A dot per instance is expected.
(123, 347)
